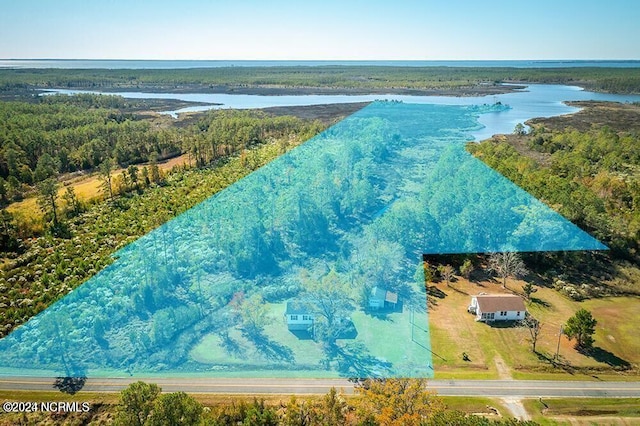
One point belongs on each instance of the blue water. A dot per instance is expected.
(537, 100)
(167, 64)
(325, 226)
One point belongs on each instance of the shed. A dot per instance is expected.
(381, 298)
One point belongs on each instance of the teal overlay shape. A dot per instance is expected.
(308, 267)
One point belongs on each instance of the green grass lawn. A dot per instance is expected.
(474, 404)
(454, 331)
(552, 411)
(448, 360)
(390, 337)
(380, 340)
(241, 352)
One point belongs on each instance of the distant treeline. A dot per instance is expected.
(621, 80)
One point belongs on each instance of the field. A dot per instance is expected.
(385, 338)
(584, 411)
(499, 351)
(88, 188)
(238, 350)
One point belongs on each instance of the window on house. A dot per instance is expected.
(294, 318)
(503, 313)
(518, 314)
(306, 317)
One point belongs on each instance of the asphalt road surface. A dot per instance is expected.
(489, 388)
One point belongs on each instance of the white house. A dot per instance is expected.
(497, 307)
(381, 298)
(298, 315)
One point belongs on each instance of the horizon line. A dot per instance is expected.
(335, 60)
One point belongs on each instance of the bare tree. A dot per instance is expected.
(534, 326)
(447, 273)
(506, 265)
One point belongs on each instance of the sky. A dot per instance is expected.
(320, 30)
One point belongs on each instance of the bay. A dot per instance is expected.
(536, 100)
(186, 64)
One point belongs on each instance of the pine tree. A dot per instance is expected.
(582, 327)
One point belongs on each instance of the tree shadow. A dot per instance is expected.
(606, 357)
(354, 360)
(503, 324)
(431, 303)
(70, 385)
(379, 315)
(459, 291)
(231, 346)
(540, 302)
(557, 363)
(383, 314)
(434, 291)
(302, 334)
(271, 349)
(479, 276)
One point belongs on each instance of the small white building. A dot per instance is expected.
(497, 307)
(381, 298)
(298, 315)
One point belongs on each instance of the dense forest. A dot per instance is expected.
(619, 80)
(304, 210)
(591, 177)
(41, 267)
(62, 134)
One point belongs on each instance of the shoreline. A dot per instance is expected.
(326, 113)
(470, 91)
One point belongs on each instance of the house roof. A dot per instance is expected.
(500, 302)
(382, 294)
(298, 307)
(391, 297)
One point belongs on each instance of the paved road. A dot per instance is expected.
(535, 388)
(491, 388)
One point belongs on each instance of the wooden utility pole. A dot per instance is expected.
(558, 348)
